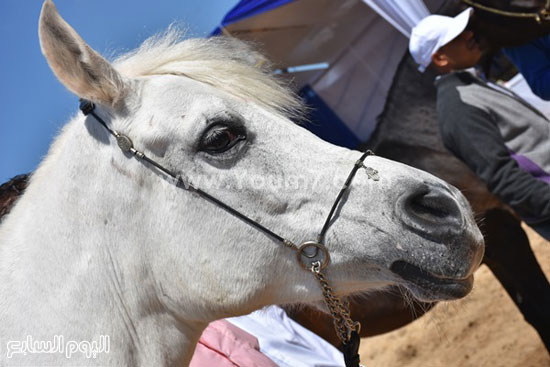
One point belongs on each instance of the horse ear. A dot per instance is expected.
(82, 70)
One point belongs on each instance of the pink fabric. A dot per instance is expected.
(223, 344)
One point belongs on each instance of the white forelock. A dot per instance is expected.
(223, 62)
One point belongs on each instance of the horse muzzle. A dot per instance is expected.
(440, 215)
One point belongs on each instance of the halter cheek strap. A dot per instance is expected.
(311, 255)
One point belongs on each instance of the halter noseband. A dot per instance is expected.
(542, 16)
(311, 255)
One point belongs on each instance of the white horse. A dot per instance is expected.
(103, 244)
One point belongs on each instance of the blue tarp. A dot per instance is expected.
(323, 121)
(248, 8)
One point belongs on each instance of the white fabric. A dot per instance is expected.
(519, 86)
(433, 32)
(286, 342)
(403, 14)
(357, 83)
(359, 39)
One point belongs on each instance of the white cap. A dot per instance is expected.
(434, 32)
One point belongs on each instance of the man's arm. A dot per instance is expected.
(533, 62)
(472, 135)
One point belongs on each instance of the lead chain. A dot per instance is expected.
(345, 328)
(339, 310)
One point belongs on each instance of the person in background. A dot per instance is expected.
(533, 62)
(502, 138)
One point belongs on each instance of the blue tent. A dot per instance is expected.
(248, 8)
(360, 47)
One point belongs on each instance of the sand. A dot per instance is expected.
(482, 330)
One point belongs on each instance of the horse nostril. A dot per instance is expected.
(432, 206)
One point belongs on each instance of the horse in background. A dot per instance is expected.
(10, 192)
(104, 243)
(408, 131)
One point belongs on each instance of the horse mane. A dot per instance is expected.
(223, 62)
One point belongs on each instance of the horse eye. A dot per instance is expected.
(220, 138)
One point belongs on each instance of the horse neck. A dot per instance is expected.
(70, 243)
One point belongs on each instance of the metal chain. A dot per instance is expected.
(343, 324)
(339, 310)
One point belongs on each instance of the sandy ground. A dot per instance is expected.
(483, 330)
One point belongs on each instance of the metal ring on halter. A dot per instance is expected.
(311, 252)
(311, 255)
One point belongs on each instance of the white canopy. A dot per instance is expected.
(361, 47)
(362, 41)
(403, 15)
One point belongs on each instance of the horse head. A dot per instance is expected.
(114, 230)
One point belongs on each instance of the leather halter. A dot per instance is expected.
(542, 16)
(311, 255)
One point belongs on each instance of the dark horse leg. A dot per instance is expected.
(510, 258)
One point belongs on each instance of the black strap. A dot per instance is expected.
(351, 350)
(358, 165)
(88, 107)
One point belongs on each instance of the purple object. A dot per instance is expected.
(529, 166)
